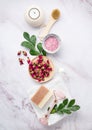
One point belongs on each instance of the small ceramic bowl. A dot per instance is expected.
(51, 43)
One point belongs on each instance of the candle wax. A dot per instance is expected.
(34, 13)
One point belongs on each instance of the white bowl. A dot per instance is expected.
(59, 43)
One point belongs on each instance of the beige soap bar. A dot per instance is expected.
(41, 97)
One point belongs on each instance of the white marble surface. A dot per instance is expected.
(75, 30)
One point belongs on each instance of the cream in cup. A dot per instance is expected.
(51, 43)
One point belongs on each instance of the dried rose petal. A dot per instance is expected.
(21, 61)
(43, 76)
(36, 67)
(43, 79)
(19, 53)
(32, 75)
(40, 56)
(49, 69)
(45, 65)
(47, 74)
(30, 65)
(37, 74)
(34, 64)
(24, 53)
(42, 68)
(39, 80)
(28, 61)
(39, 61)
(31, 71)
(48, 62)
(39, 65)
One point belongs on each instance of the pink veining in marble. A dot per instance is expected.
(27, 104)
(6, 93)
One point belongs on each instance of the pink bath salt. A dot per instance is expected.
(51, 43)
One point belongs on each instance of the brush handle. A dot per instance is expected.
(46, 29)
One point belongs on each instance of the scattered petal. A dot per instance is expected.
(21, 61)
(19, 53)
(24, 53)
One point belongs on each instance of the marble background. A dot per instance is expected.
(75, 30)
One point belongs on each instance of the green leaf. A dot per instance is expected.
(63, 107)
(65, 102)
(53, 111)
(75, 108)
(33, 40)
(31, 43)
(60, 106)
(34, 52)
(26, 36)
(27, 45)
(39, 46)
(48, 108)
(71, 103)
(44, 52)
(60, 112)
(66, 111)
(55, 106)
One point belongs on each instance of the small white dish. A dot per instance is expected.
(55, 37)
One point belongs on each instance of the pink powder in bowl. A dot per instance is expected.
(51, 43)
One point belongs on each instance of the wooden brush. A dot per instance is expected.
(54, 17)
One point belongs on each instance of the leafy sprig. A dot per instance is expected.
(30, 44)
(66, 107)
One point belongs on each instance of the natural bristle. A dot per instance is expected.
(55, 13)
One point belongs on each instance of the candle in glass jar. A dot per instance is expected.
(34, 13)
(34, 16)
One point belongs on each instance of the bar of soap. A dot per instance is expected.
(41, 97)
